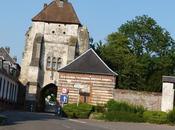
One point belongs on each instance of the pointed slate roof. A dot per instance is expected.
(55, 13)
(89, 63)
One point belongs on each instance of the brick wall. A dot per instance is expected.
(101, 87)
(150, 100)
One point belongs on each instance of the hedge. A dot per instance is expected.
(82, 111)
(171, 116)
(123, 116)
(122, 111)
(119, 111)
(157, 117)
(113, 106)
(97, 116)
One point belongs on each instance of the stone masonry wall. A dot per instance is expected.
(56, 39)
(150, 100)
(59, 41)
(101, 87)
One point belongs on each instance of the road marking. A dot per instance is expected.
(82, 122)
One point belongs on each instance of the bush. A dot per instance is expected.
(157, 117)
(121, 111)
(97, 116)
(123, 116)
(113, 106)
(82, 111)
(171, 116)
(99, 108)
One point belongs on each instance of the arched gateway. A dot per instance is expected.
(48, 97)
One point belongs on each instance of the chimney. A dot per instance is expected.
(7, 49)
(45, 5)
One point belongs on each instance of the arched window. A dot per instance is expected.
(49, 62)
(54, 63)
(59, 61)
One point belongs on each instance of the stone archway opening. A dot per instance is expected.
(48, 97)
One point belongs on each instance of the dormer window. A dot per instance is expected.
(6, 66)
(11, 70)
(59, 62)
(48, 62)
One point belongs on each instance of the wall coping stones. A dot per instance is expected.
(169, 79)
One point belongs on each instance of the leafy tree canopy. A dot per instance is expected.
(141, 52)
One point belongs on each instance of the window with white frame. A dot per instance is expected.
(6, 66)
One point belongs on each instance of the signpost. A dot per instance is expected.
(64, 91)
(64, 99)
(77, 86)
(64, 96)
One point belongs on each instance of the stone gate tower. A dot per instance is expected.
(55, 38)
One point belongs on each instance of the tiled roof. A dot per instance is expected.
(55, 13)
(89, 63)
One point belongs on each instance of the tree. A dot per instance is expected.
(141, 52)
(97, 46)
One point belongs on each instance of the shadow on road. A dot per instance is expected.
(16, 117)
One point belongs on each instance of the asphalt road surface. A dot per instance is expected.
(43, 121)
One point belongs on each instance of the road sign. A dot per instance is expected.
(64, 99)
(65, 91)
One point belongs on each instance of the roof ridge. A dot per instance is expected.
(104, 62)
(44, 9)
(52, 13)
(110, 70)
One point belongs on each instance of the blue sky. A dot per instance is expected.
(100, 16)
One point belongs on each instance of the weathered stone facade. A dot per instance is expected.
(53, 41)
(56, 45)
(149, 100)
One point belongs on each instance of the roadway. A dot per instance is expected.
(44, 121)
